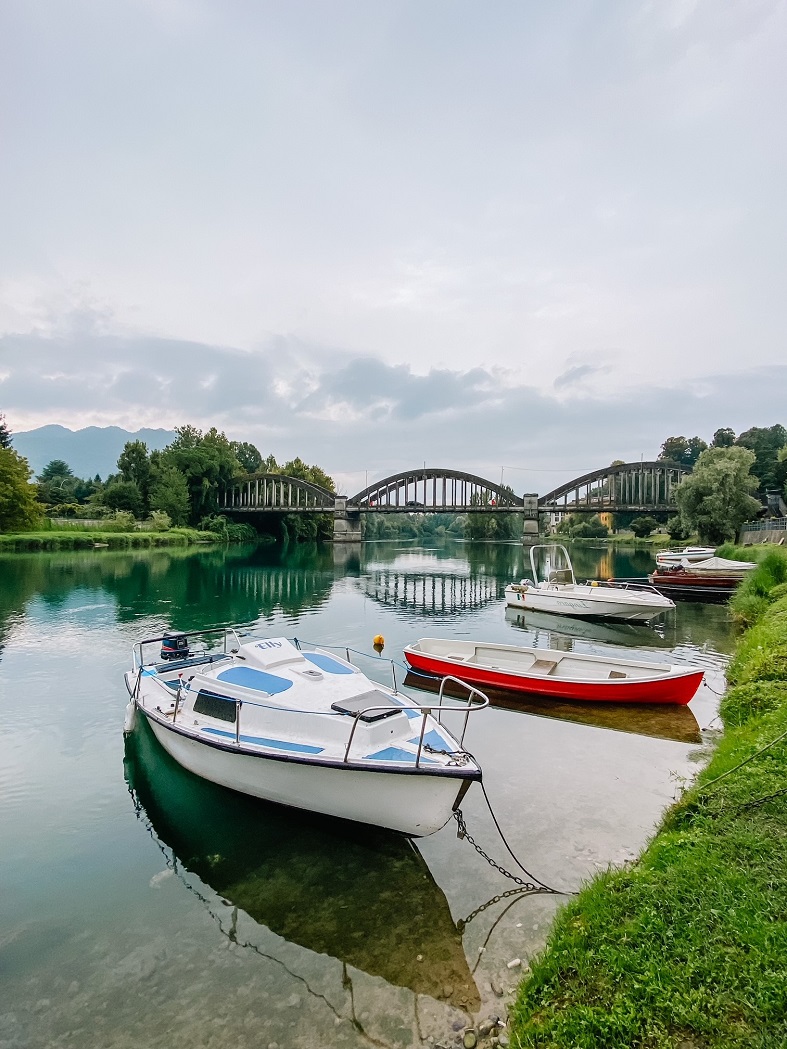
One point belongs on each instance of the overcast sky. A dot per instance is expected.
(525, 237)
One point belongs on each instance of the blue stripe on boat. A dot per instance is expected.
(409, 712)
(258, 680)
(396, 754)
(278, 744)
(434, 739)
(327, 663)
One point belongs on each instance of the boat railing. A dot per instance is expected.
(625, 584)
(468, 706)
(229, 634)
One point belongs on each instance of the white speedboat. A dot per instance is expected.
(554, 588)
(688, 555)
(304, 728)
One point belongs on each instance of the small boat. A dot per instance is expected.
(688, 553)
(554, 588)
(304, 728)
(715, 576)
(551, 672)
(300, 876)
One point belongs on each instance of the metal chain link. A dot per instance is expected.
(463, 922)
(458, 757)
(463, 832)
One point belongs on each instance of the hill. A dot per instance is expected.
(93, 450)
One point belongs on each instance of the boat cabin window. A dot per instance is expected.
(213, 706)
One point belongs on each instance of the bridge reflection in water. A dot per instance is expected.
(430, 593)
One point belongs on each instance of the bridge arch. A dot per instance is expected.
(437, 490)
(279, 492)
(642, 486)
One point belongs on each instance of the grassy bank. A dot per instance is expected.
(80, 539)
(687, 948)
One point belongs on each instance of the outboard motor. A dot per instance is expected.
(174, 646)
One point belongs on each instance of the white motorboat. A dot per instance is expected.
(688, 555)
(304, 728)
(554, 588)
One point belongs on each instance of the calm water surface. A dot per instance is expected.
(140, 906)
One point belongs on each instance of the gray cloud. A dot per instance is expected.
(360, 415)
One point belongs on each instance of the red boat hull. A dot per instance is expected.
(676, 690)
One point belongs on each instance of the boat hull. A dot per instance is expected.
(413, 803)
(678, 689)
(582, 606)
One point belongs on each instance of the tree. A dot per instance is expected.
(57, 483)
(715, 499)
(134, 466)
(19, 508)
(680, 450)
(5, 433)
(583, 526)
(207, 462)
(765, 442)
(723, 438)
(247, 455)
(169, 493)
(123, 495)
(643, 526)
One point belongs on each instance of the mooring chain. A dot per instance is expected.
(462, 923)
(463, 832)
(458, 757)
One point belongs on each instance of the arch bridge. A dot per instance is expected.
(642, 487)
(637, 487)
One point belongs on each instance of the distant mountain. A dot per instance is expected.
(88, 452)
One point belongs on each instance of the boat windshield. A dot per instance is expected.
(550, 563)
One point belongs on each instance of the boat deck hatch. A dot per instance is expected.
(374, 699)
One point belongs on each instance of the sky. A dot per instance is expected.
(521, 239)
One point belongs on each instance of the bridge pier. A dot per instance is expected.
(346, 523)
(530, 522)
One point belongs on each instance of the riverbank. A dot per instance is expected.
(81, 539)
(686, 947)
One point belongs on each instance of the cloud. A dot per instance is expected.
(358, 415)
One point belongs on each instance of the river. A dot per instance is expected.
(140, 906)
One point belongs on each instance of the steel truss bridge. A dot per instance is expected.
(639, 487)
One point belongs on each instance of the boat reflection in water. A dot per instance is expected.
(362, 896)
(563, 629)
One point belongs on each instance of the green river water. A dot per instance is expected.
(142, 907)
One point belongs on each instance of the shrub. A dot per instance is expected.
(643, 526)
(160, 520)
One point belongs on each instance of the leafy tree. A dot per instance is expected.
(676, 528)
(643, 526)
(207, 462)
(134, 466)
(715, 499)
(169, 494)
(680, 450)
(55, 469)
(583, 526)
(247, 455)
(765, 442)
(5, 433)
(313, 474)
(723, 438)
(19, 508)
(124, 496)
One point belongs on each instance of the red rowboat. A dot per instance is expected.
(550, 672)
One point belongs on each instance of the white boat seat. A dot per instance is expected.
(368, 699)
(542, 666)
(618, 673)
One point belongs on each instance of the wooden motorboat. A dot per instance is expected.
(553, 588)
(550, 672)
(304, 728)
(714, 576)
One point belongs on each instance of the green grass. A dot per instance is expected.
(762, 586)
(687, 949)
(79, 539)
